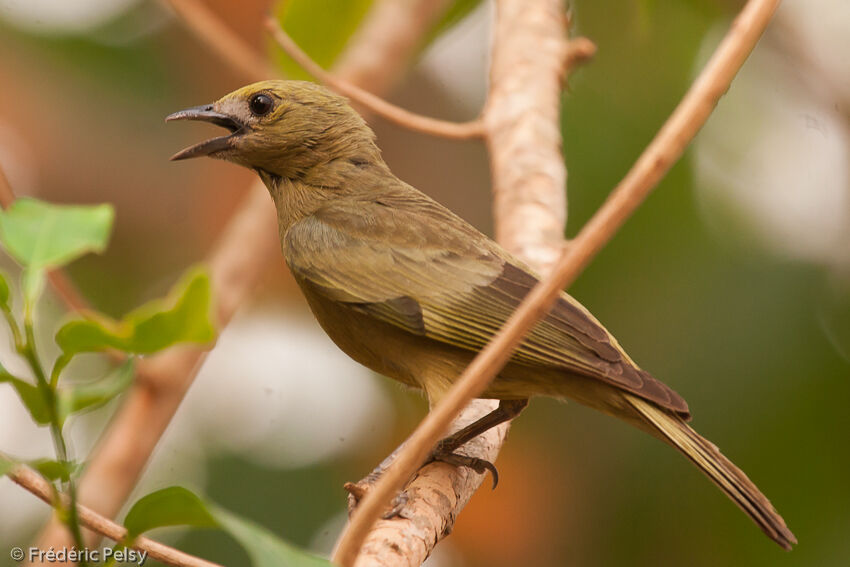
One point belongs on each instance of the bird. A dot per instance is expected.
(410, 290)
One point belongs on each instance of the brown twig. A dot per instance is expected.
(580, 50)
(663, 151)
(30, 480)
(371, 102)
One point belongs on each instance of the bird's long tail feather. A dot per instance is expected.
(718, 468)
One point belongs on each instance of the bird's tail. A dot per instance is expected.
(718, 468)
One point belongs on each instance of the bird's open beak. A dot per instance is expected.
(213, 145)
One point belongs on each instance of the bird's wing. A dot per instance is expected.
(429, 273)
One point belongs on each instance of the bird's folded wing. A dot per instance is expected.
(429, 273)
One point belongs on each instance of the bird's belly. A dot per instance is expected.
(421, 362)
(414, 360)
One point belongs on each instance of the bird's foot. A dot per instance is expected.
(443, 452)
(480, 466)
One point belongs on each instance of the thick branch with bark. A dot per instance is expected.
(523, 123)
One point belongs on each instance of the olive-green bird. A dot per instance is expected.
(407, 288)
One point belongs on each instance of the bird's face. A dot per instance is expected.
(285, 128)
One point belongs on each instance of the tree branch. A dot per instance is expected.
(32, 481)
(663, 151)
(522, 115)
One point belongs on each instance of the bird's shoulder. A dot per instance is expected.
(390, 244)
(399, 217)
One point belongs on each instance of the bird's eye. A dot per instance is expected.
(260, 104)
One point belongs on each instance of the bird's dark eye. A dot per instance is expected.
(260, 104)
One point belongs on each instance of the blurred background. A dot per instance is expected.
(731, 284)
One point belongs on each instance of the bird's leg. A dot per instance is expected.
(444, 451)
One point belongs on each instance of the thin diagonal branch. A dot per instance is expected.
(372, 102)
(659, 156)
(31, 481)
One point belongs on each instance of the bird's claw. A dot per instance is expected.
(480, 466)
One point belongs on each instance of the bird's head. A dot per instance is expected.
(283, 128)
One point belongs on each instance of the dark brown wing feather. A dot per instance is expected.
(426, 271)
(568, 318)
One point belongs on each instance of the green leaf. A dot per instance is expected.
(173, 506)
(321, 28)
(82, 397)
(178, 506)
(40, 235)
(30, 395)
(183, 317)
(263, 547)
(55, 470)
